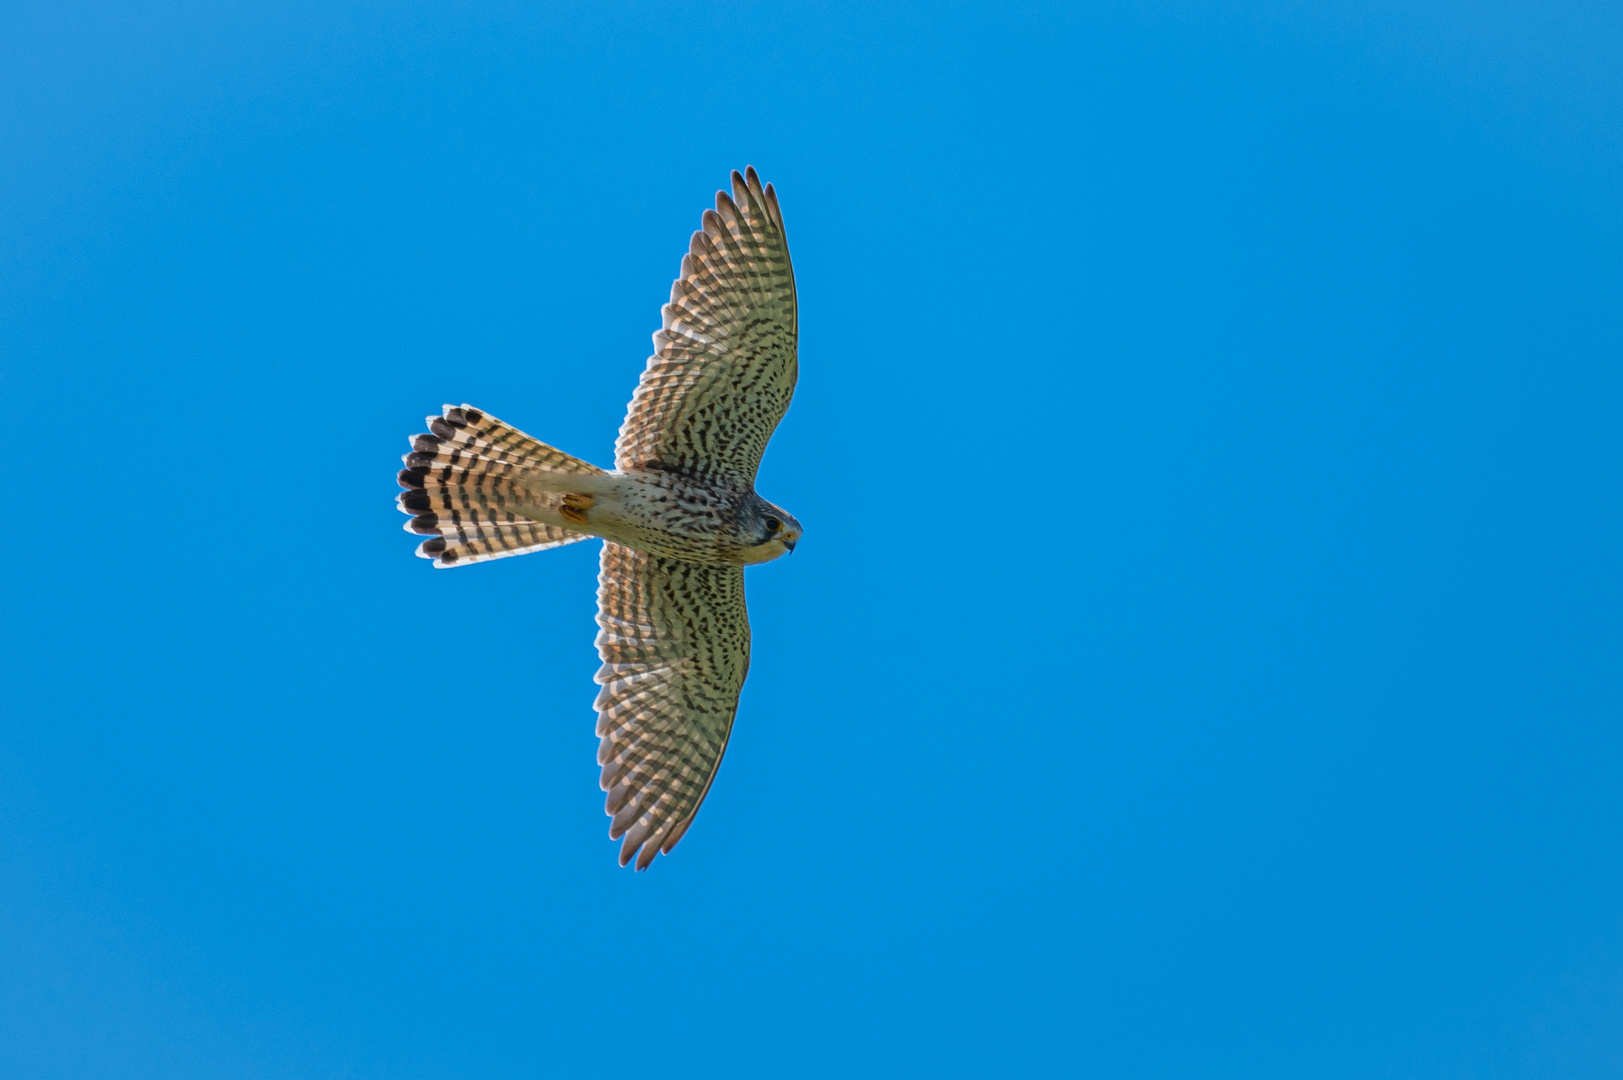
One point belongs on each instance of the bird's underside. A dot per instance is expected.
(678, 514)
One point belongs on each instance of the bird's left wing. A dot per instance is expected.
(675, 645)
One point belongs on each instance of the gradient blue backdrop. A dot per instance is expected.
(1203, 659)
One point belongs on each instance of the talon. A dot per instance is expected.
(574, 508)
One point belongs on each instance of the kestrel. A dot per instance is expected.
(678, 514)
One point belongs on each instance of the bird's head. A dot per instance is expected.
(773, 530)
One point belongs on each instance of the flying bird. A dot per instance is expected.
(678, 514)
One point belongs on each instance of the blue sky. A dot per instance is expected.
(1203, 659)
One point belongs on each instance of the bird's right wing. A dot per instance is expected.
(724, 363)
(675, 645)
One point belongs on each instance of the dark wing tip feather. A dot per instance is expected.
(679, 831)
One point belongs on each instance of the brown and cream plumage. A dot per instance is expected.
(678, 514)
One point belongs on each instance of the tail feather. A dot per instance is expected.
(465, 481)
(464, 432)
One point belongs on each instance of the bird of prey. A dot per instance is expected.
(678, 514)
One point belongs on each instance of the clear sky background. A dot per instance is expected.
(1203, 659)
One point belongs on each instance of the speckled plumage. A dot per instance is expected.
(679, 514)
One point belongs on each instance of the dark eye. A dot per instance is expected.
(773, 524)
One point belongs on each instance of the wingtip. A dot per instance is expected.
(761, 199)
(676, 834)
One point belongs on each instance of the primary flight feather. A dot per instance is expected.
(678, 514)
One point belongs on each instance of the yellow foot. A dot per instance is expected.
(575, 507)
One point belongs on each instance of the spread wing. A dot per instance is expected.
(675, 645)
(724, 363)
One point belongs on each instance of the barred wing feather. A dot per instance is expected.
(675, 645)
(724, 363)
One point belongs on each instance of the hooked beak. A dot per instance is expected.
(788, 544)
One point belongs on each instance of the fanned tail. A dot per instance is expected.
(466, 480)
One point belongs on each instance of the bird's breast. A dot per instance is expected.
(670, 516)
